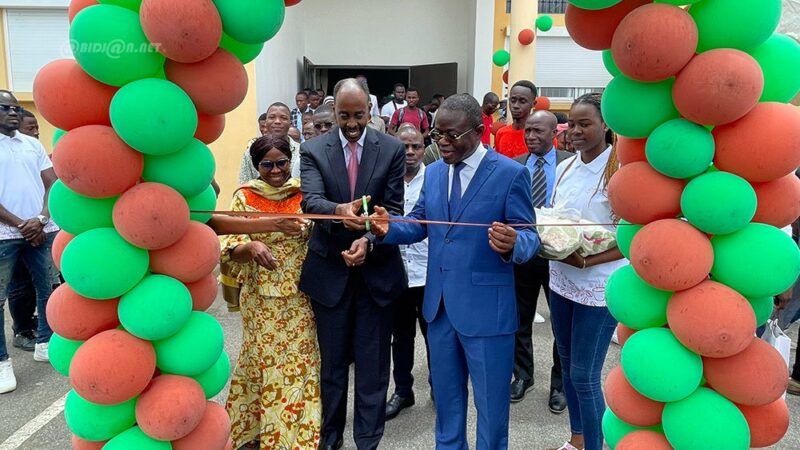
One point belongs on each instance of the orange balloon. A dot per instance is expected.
(778, 201)
(750, 149)
(76, 6)
(59, 244)
(187, 31)
(718, 87)
(641, 195)
(75, 317)
(171, 407)
(94, 161)
(594, 28)
(753, 377)
(526, 36)
(216, 85)
(542, 103)
(630, 150)
(644, 439)
(80, 444)
(112, 367)
(624, 333)
(712, 319)
(212, 432)
(151, 216)
(68, 97)
(628, 404)
(209, 128)
(193, 257)
(768, 424)
(229, 445)
(203, 292)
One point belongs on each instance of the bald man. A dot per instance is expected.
(541, 160)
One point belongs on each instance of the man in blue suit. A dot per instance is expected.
(469, 297)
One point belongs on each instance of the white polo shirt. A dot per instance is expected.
(22, 160)
(415, 256)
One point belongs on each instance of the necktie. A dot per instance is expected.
(455, 189)
(539, 185)
(352, 168)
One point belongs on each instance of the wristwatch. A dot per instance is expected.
(44, 220)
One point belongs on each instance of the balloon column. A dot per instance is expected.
(148, 90)
(709, 148)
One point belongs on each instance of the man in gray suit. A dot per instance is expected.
(541, 159)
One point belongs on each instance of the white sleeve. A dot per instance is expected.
(43, 160)
(374, 111)
(387, 110)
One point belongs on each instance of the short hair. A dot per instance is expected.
(308, 113)
(303, 92)
(313, 92)
(491, 96)
(438, 96)
(412, 89)
(262, 117)
(408, 128)
(466, 104)
(25, 114)
(561, 117)
(349, 81)
(398, 85)
(528, 85)
(264, 144)
(324, 108)
(278, 105)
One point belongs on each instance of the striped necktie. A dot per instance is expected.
(539, 185)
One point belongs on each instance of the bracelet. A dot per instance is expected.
(584, 263)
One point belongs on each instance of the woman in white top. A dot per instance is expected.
(582, 323)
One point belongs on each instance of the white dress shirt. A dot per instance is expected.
(389, 108)
(415, 256)
(346, 146)
(374, 112)
(470, 167)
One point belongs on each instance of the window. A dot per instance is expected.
(552, 6)
(566, 71)
(34, 37)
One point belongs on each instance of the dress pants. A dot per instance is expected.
(355, 330)
(529, 278)
(407, 313)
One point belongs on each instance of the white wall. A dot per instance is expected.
(480, 74)
(279, 67)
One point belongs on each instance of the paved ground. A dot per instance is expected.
(31, 417)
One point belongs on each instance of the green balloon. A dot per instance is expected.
(743, 24)
(634, 109)
(100, 264)
(94, 422)
(154, 116)
(109, 44)
(251, 21)
(594, 4)
(757, 261)
(705, 420)
(659, 366)
(501, 57)
(57, 135)
(75, 213)
(779, 58)
(133, 5)
(61, 350)
(680, 149)
(614, 429)
(544, 23)
(625, 233)
(634, 302)
(214, 379)
(245, 52)
(189, 170)
(719, 202)
(611, 65)
(205, 201)
(678, 2)
(135, 439)
(156, 308)
(193, 349)
(763, 308)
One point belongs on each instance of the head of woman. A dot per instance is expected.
(279, 120)
(272, 157)
(587, 129)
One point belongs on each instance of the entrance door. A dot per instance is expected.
(309, 74)
(434, 79)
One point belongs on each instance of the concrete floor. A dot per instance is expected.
(24, 413)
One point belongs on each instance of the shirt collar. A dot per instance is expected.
(475, 159)
(599, 163)
(420, 173)
(345, 141)
(16, 136)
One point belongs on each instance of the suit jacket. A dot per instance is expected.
(475, 283)
(325, 185)
(560, 156)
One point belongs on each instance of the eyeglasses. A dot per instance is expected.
(16, 108)
(415, 146)
(437, 135)
(269, 165)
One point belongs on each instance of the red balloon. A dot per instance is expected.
(641, 195)
(171, 407)
(542, 103)
(712, 319)
(59, 244)
(778, 201)
(204, 292)
(526, 36)
(654, 42)
(291, 2)
(594, 28)
(768, 424)
(643, 439)
(151, 216)
(229, 445)
(112, 367)
(628, 404)
(68, 97)
(217, 85)
(94, 161)
(682, 264)
(75, 317)
(209, 128)
(754, 377)
(624, 333)
(76, 6)
(187, 31)
(718, 87)
(193, 257)
(750, 149)
(505, 77)
(212, 432)
(630, 150)
(80, 444)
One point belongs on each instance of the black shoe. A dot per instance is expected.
(518, 390)
(336, 446)
(558, 401)
(397, 404)
(25, 341)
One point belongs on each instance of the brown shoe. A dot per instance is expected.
(794, 387)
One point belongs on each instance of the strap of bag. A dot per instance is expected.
(555, 188)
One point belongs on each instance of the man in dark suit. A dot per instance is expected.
(351, 285)
(541, 160)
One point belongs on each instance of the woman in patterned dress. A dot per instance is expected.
(274, 399)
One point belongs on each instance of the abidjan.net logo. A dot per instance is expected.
(111, 49)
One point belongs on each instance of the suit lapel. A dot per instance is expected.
(369, 156)
(338, 165)
(485, 169)
(444, 184)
